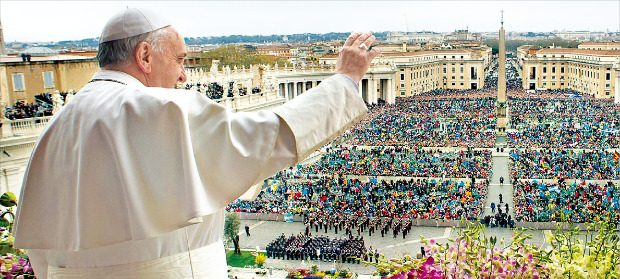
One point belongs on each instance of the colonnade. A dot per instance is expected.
(372, 89)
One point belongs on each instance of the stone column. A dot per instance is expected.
(616, 67)
(390, 91)
(286, 94)
(617, 86)
(295, 89)
(360, 88)
(370, 90)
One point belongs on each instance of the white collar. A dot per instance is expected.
(117, 76)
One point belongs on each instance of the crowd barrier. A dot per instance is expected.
(420, 222)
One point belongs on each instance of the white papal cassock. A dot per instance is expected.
(129, 181)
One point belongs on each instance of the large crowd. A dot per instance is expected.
(598, 164)
(568, 123)
(404, 198)
(390, 168)
(402, 161)
(559, 201)
(422, 122)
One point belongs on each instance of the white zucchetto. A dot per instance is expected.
(131, 22)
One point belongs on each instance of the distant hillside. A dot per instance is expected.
(232, 39)
(294, 38)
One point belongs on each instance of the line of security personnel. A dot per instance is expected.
(304, 247)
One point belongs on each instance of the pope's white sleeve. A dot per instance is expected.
(234, 151)
(321, 114)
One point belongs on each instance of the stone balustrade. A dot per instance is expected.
(34, 125)
(23, 127)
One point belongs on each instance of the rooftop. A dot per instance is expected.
(600, 44)
(580, 51)
(12, 59)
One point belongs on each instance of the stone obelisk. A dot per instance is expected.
(501, 80)
(2, 48)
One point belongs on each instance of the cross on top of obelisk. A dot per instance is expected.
(502, 17)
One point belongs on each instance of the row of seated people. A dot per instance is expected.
(401, 161)
(403, 198)
(420, 122)
(306, 247)
(595, 164)
(567, 123)
(560, 201)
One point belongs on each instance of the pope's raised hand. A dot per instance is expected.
(354, 58)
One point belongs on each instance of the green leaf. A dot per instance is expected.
(8, 199)
(4, 222)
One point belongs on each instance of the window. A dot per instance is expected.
(462, 70)
(48, 81)
(461, 77)
(607, 76)
(607, 85)
(402, 76)
(453, 84)
(562, 70)
(402, 93)
(553, 70)
(453, 77)
(18, 82)
(402, 85)
(445, 70)
(461, 84)
(544, 70)
(544, 77)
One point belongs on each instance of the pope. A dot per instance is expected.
(129, 179)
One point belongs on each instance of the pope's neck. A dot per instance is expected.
(132, 70)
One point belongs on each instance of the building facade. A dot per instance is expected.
(22, 80)
(584, 70)
(600, 46)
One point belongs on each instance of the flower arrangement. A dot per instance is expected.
(260, 259)
(14, 263)
(314, 273)
(595, 256)
(14, 266)
(471, 255)
(474, 255)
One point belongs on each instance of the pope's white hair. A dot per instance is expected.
(120, 53)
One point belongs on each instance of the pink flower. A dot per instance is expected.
(15, 267)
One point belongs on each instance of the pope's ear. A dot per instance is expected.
(143, 57)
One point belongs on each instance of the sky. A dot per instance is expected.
(44, 21)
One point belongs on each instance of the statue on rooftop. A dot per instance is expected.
(58, 103)
(3, 106)
(69, 96)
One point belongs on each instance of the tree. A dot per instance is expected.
(232, 55)
(231, 228)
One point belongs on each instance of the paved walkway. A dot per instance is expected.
(500, 169)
